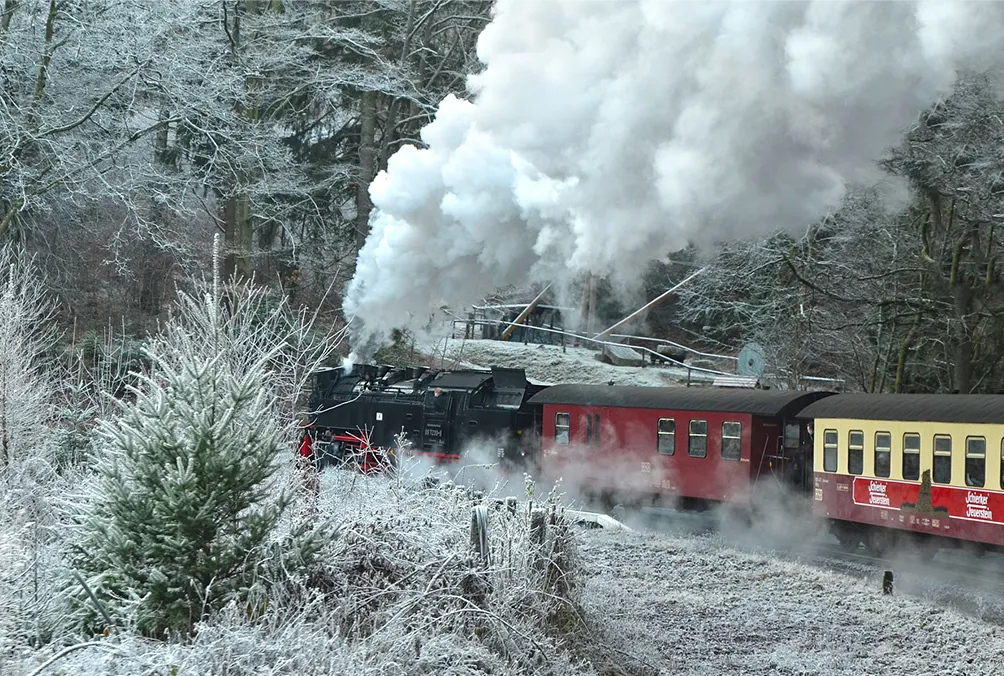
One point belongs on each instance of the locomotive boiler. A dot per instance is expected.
(377, 412)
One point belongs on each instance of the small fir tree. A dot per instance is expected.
(191, 498)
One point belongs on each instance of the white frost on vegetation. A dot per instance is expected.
(29, 483)
(398, 593)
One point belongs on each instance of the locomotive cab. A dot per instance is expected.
(439, 414)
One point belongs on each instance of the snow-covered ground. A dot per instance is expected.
(551, 365)
(678, 603)
(651, 603)
(693, 605)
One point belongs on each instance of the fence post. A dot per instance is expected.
(887, 582)
(510, 503)
(479, 532)
(538, 526)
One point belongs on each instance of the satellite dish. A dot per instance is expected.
(752, 360)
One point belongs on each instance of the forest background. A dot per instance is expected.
(133, 132)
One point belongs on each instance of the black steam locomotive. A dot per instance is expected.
(370, 414)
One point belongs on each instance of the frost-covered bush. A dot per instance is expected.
(397, 591)
(405, 572)
(186, 516)
(26, 332)
(188, 496)
(28, 480)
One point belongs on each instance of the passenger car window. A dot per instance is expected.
(942, 473)
(856, 452)
(830, 454)
(883, 454)
(976, 461)
(911, 457)
(666, 444)
(562, 426)
(732, 440)
(1002, 463)
(697, 443)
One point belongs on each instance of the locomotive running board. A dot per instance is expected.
(602, 520)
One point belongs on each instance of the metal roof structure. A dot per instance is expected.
(755, 402)
(459, 380)
(949, 408)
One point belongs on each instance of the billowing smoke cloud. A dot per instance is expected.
(604, 134)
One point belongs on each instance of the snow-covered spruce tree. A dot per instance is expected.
(192, 493)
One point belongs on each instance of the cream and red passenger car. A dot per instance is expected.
(930, 464)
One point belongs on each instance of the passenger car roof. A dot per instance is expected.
(961, 408)
(726, 400)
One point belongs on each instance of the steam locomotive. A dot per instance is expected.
(368, 415)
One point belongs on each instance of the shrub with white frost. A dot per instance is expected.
(192, 490)
(25, 333)
(398, 590)
(28, 479)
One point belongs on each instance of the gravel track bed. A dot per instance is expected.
(686, 604)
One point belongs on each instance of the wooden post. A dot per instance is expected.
(525, 313)
(647, 306)
(537, 526)
(479, 532)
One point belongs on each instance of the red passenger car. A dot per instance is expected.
(701, 445)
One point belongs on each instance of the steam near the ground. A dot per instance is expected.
(605, 134)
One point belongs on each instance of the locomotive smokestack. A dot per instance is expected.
(605, 134)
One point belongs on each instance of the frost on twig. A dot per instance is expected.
(29, 527)
(25, 335)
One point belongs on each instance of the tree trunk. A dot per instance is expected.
(589, 306)
(904, 351)
(238, 213)
(238, 237)
(367, 167)
(8, 13)
(963, 375)
(392, 112)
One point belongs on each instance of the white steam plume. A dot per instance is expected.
(605, 134)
